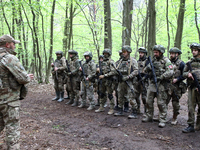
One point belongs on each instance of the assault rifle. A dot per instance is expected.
(121, 77)
(84, 75)
(100, 81)
(54, 69)
(153, 74)
(196, 82)
(68, 70)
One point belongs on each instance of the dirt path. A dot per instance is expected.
(49, 125)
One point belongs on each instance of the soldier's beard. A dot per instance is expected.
(173, 58)
(59, 57)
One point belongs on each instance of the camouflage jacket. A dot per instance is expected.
(12, 74)
(195, 64)
(90, 69)
(61, 65)
(107, 68)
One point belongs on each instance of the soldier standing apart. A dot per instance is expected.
(164, 71)
(58, 72)
(129, 69)
(141, 86)
(193, 91)
(106, 86)
(74, 78)
(178, 87)
(89, 68)
(12, 77)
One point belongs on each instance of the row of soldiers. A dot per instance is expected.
(160, 78)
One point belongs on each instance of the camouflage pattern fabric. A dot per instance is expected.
(59, 79)
(87, 88)
(127, 68)
(164, 70)
(13, 76)
(193, 95)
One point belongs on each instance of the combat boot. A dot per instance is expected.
(111, 111)
(61, 97)
(189, 129)
(126, 107)
(71, 101)
(75, 103)
(174, 120)
(133, 115)
(57, 96)
(147, 119)
(161, 125)
(82, 105)
(67, 97)
(91, 107)
(119, 113)
(101, 109)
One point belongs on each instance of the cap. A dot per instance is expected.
(8, 38)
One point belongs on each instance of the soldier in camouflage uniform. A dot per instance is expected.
(129, 69)
(164, 72)
(141, 82)
(74, 78)
(107, 73)
(193, 93)
(58, 72)
(177, 87)
(12, 77)
(89, 68)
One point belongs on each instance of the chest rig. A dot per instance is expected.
(159, 66)
(141, 64)
(124, 66)
(105, 66)
(195, 63)
(176, 66)
(87, 68)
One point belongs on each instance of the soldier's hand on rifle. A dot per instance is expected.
(52, 64)
(101, 76)
(87, 78)
(80, 69)
(31, 76)
(55, 69)
(174, 81)
(125, 78)
(98, 70)
(190, 76)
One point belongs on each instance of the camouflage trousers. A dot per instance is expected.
(175, 96)
(9, 119)
(125, 95)
(161, 102)
(73, 86)
(193, 100)
(140, 90)
(87, 91)
(106, 87)
(59, 84)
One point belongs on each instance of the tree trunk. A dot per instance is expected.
(51, 42)
(107, 25)
(2, 7)
(168, 35)
(179, 31)
(152, 27)
(127, 22)
(196, 19)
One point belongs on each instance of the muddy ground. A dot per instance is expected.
(50, 125)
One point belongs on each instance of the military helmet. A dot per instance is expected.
(142, 49)
(159, 48)
(100, 56)
(59, 53)
(73, 52)
(107, 51)
(127, 48)
(175, 50)
(88, 54)
(195, 46)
